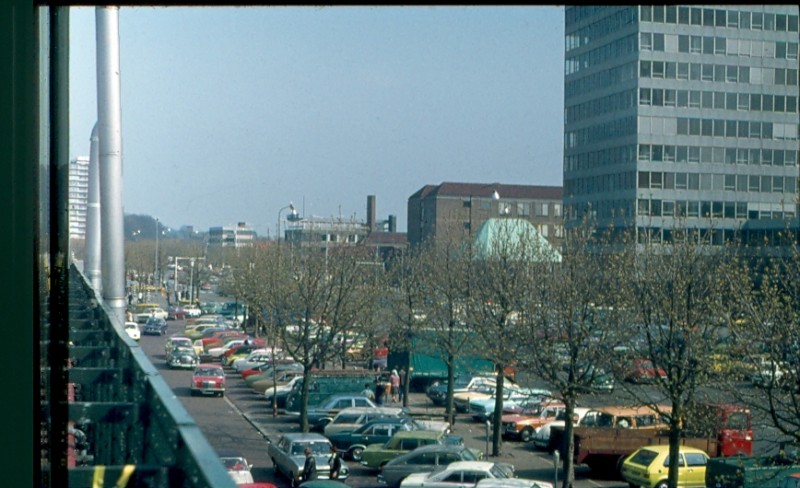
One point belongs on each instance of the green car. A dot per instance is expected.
(375, 456)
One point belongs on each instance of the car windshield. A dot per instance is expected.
(208, 372)
(317, 448)
(644, 457)
(234, 463)
(501, 471)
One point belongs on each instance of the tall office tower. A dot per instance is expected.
(78, 196)
(682, 116)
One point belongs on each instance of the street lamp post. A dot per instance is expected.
(191, 281)
(291, 207)
(156, 281)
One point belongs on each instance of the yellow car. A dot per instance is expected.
(649, 466)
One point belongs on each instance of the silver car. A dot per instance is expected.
(288, 456)
(426, 459)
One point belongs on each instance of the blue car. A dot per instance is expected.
(154, 326)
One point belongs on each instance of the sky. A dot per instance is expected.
(230, 114)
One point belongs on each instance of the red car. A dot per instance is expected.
(643, 371)
(176, 313)
(208, 379)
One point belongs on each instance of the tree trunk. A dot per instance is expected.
(497, 424)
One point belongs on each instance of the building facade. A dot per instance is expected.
(241, 235)
(682, 115)
(78, 196)
(435, 209)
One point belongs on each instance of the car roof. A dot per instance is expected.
(630, 410)
(209, 365)
(664, 448)
(387, 410)
(486, 465)
(440, 448)
(304, 436)
(425, 434)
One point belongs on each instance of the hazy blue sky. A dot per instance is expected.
(228, 114)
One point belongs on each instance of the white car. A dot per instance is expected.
(459, 474)
(284, 388)
(192, 311)
(541, 437)
(216, 352)
(259, 356)
(132, 329)
(237, 467)
(512, 483)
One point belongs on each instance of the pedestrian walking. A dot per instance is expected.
(394, 380)
(335, 463)
(310, 466)
(380, 392)
(367, 392)
(402, 392)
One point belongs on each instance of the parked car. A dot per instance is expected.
(282, 389)
(254, 358)
(319, 415)
(155, 326)
(647, 467)
(132, 329)
(192, 311)
(458, 474)
(437, 392)
(152, 310)
(523, 425)
(461, 399)
(288, 457)
(237, 466)
(175, 342)
(352, 443)
(541, 436)
(376, 455)
(643, 371)
(352, 418)
(768, 373)
(176, 312)
(482, 409)
(791, 481)
(512, 483)
(433, 458)
(208, 379)
(184, 358)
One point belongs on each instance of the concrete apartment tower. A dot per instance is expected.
(682, 111)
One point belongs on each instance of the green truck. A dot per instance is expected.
(426, 369)
(325, 383)
(750, 472)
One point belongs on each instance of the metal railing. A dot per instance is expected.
(126, 428)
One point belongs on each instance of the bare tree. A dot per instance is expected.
(408, 293)
(765, 321)
(504, 254)
(674, 293)
(571, 322)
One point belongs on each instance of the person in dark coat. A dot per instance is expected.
(310, 466)
(335, 463)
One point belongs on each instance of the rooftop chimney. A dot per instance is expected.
(371, 213)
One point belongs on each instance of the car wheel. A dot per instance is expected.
(355, 453)
(662, 484)
(526, 434)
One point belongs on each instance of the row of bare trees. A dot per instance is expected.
(690, 308)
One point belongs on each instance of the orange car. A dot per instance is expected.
(523, 425)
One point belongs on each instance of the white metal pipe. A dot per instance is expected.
(109, 123)
(91, 267)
